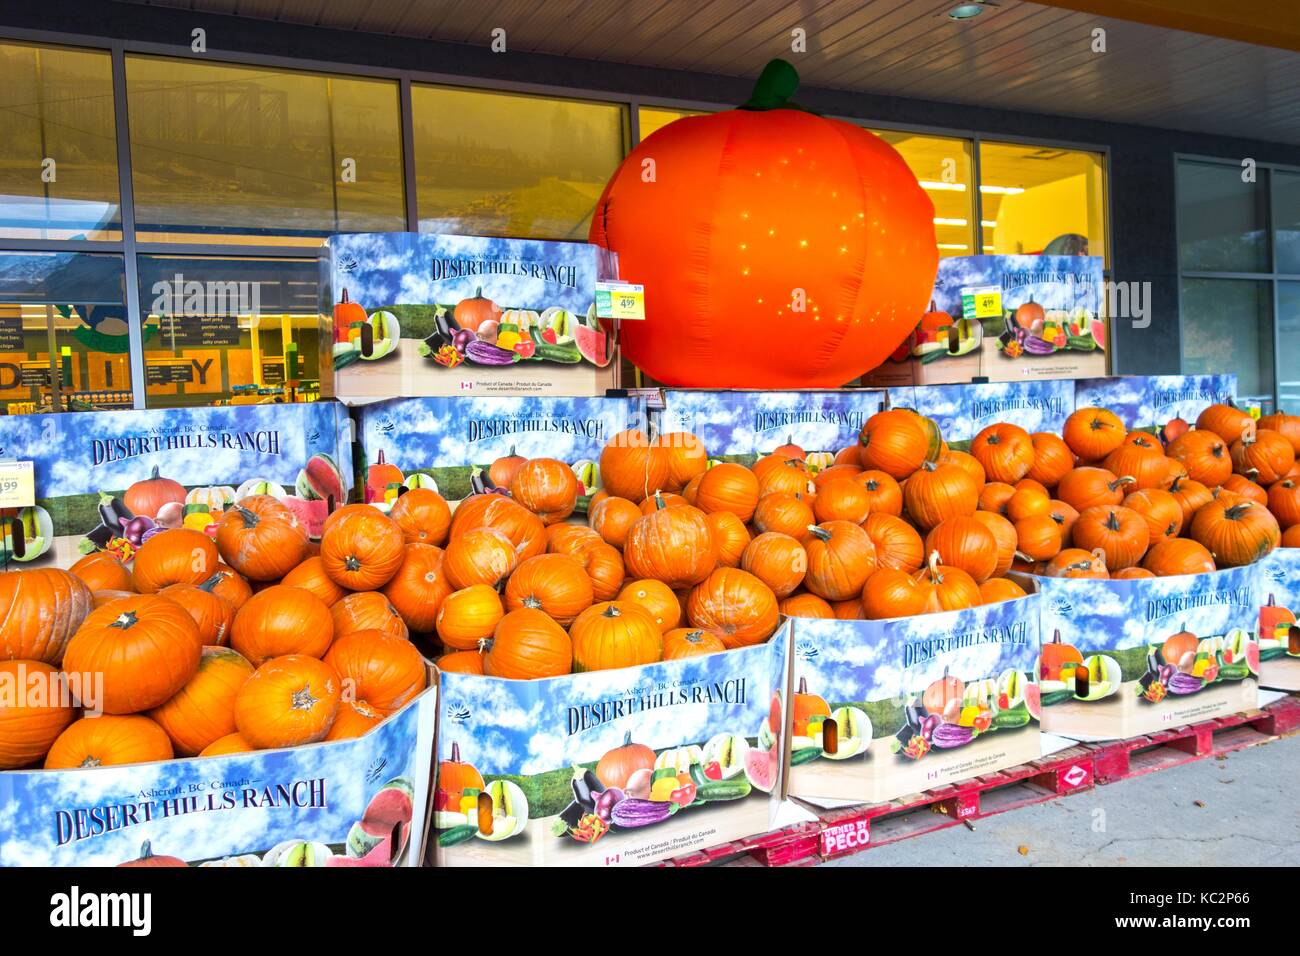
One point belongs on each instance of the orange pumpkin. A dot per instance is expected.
(1030, 498)
(471, 313)
(30, 721)
(261, 538)
(461, 662)
(996, 496)
(367, 611)
(1205, 456)
(884, 494)
(673, 545)
(229, 744)
(146, 647)
(1077, 563)
(897, 543)
(363, 551)
(109, 741)
(1142, 459)
(604, 565)
(612, 518)
(213, 614)
(1235, 533)
(1159, 509)
(632, 468)
(657, 599)
(685, 455)
(1243, 487)
(101, 571)
(966, 544)
(790, 477)
(776, 559)
(1172, 556)
(419, 587)
(804, 604)
(1263, 456)
(547, 487)
(891, 593)
(736, 606)
(729, 535)
(502, 471)
(996, 590)
(1291, 537)
(1005, 540)
(1288, 426)
(310, 576)
(40, 610)
(423, 516)
(840, 557)
(690, 642)
(287, 702)
(842, 500)
(229, 585)
(355, 718)
(1086, 487)
(1093, 433)
(1190, 495)
(380, 668)
(484, 556)
(948, 588)
(570, 539)
(528, 645)
(937, 492)
(1039, 537)
(850, 610)
(1227, 421)
(147, 496)
(524, 529)
(850, 470)
(966, 461)
(1120, 533)
(728, 487)
(1052, 459)
(469, 616)
(203, 711)
(282, 620)
(615, 634)
(1284, 502)
(896, 442)
(617, 765)
(1125, 574)
(177, 556)
(784, 513)
(1005, 451)
(554, 583)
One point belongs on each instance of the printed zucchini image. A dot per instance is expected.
(1279, 634)
(611, 767)
(886, 708)
(464, 446)
(1127, 657)
(407, 307)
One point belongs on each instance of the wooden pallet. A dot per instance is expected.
(850, 830)
(1137, 756)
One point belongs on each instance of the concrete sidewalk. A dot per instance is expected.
(1236, 810)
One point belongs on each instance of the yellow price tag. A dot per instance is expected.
(981, 302)
(620, 300)
(17, 484)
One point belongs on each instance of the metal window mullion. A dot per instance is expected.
(126, 205)
(977, 201)
(406, 115)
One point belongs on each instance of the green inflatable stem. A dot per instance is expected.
(774, 87)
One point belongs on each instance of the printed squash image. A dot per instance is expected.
(865, 255)
(148, 496)
(807, 705)
(617, 766)
(1275, 622)
(1055, 655)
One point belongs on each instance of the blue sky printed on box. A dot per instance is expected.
(392, 268)
(1280, 577)
(1186, 396)
(80, 454)
(1096, 615)
(39, 811)
(448, 432)
(884, 660)
(1054, 282)
(1125, 395)
(530, 727)
(743, 423)
(962, 411)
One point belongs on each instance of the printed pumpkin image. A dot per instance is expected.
(864, 252)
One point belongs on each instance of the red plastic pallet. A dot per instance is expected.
(852, 829)
(1137, 756)
(789, 846)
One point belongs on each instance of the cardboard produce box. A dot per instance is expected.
(1279, 634)
(539, 755)
(963, 411)
(744, 426)
(1005, 319)
(111, 476)
(1129, 657)
(422, 314)
(893, 707)
(358, 802)
(1150, 401)
(452, 443)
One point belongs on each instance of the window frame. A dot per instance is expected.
(130, 248)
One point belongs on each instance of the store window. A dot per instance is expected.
(1228, 327)
(652, 118)
(499, 164)
(1041, 200)
(58, 151)
(64, 342)
(1222, 220)
(229, 330)
(239, 154)
(942, 165)
(1286, 220)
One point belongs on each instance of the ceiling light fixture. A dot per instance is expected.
(941, 221)
(965, 11)
(951, 187)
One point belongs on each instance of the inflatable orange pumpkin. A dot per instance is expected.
(778, 248)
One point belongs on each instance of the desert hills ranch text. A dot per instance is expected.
(103, 450)
(588, 716)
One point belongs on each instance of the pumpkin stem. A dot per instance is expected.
(660, 505)
(1234, 512)
(774, 87)
(303, 700)
(933, 565)
(352, 564)
(146, 848)
(1119, 482)
(821, 534)
(1112, 522)
(1272, 602)
(250, 518)
(152, 476)
(627, 739)
(694, 637)
(455, 752)
(533, 603)
(803, 685)
(1056, 639)
(125, 620)
(612, 611)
